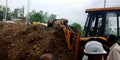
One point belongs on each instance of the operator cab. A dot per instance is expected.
(102, 22)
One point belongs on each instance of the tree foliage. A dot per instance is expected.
(40, 16)
(2, 12)
(78, 27)
(52, 16)
(18, 13)
(37, 16)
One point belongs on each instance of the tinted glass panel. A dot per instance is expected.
(111, 24)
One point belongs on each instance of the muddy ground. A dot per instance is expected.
(29, 42)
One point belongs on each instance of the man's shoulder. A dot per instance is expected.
(115, 47)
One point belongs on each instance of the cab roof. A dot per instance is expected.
(102, 9)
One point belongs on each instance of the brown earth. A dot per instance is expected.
(29, 42)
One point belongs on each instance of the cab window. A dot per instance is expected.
(111, 24)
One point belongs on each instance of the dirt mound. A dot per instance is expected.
(23, 42)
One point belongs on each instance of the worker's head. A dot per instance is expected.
(94, 50)
(46, 57)
(112, 39)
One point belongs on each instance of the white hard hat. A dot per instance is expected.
(94, 47)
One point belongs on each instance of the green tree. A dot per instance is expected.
(37, 16)
(18, 13)
(52, 17)
(2, 13)
(15, 13)
(46, 18)
(78, 27)
(21, 11)
(41, 16)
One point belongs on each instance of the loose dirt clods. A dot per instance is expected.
(29, 42)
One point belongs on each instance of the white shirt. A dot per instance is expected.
(85, 57)
(114, 52)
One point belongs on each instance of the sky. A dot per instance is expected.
(73, 10)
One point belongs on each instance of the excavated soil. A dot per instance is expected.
(29, 42)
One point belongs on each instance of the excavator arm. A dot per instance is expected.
(73, 40)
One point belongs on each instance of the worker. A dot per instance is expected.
(94, 51)
(47, 56)
(50, 23)
(112, 39)
(114, 51)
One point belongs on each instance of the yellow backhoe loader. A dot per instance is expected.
(100, 23)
